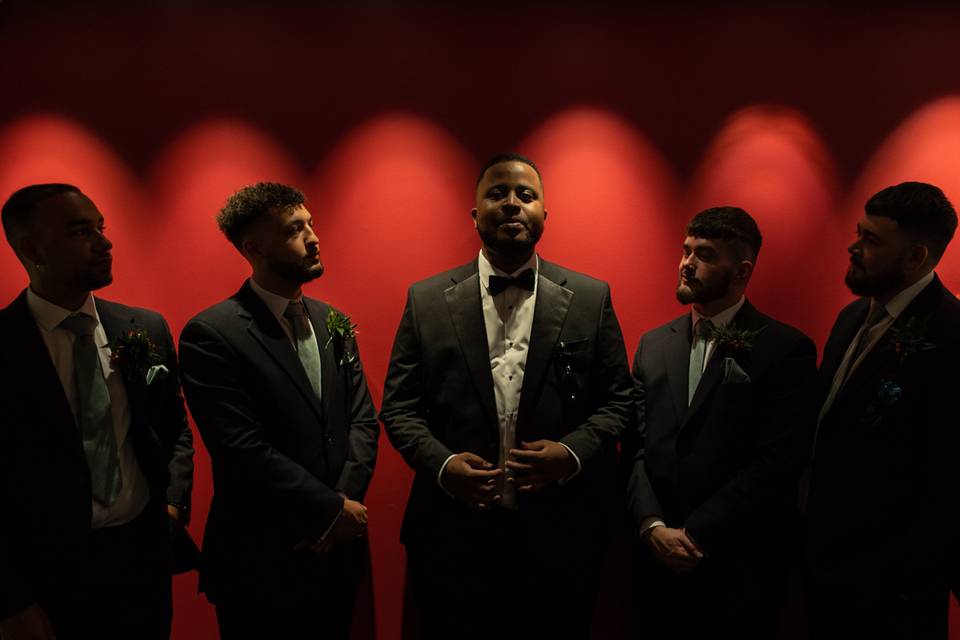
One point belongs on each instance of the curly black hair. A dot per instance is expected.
(248, 204)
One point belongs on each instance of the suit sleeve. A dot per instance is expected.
(234, 433)
(610, 385)
(16, 589)
(404, 413)
(642, 502)
(787, 415)
(175, 417)
(364, 433)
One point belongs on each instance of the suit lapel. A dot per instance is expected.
(747, 318)
(676, 356)
(882, 353)
(329, 368)
(266, 330)
(30, 350)
(466, 313)
(844, 334)
(115, 322)
(549, 314)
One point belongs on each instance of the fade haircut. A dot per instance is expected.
(921, 210)
(509, 157)
(20, 207)
(731, 224)
(251, 203)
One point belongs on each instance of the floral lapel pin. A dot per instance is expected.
(733, 339)
(343, 335)
(134, 355)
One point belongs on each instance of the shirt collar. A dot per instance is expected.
(903, 299)
(721, 319)
(49, 315)
(277, 304)
(486, 269)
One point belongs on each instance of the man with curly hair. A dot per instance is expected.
(274, 381)
(96, 456)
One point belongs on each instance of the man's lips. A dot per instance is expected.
(104, 261)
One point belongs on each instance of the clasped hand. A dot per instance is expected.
(535, 465)
(674, 548)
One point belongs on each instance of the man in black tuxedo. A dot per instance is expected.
(725, 404)
(882, 516)
(507, 393)
(274, 381)
(96, 456)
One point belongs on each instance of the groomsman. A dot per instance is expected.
(274, 381)
(882, 515)
(507, 393)
(96, 457)
(724, 407)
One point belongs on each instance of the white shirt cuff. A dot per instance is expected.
(649, 523)
(440, 475)
(575, 459)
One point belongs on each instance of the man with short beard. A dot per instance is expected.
(507, 393)
(724, 398)
(882, 517)
(282, 405)
(96, 456)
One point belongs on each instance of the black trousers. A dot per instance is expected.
(121, 588)
(507, 580)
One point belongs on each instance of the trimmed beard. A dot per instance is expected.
(707, 293)
(872, 285)
(297, 273)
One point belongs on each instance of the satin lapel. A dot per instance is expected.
(29, 350)
(115, 322)
(549, 314)
(883, 352)
(466, 313)
(676, 360)
(329, 369)
(266, 330)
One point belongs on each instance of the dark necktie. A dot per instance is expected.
(94, 415)
(526, 280)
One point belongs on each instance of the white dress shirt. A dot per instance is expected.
(721, 319)
(134, 493)
(508, 319)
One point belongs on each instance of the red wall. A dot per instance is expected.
(638, 117)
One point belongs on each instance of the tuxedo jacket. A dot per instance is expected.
(439, 397)
(45, 489)
(886, 467)
(282, 458)
(726, 467)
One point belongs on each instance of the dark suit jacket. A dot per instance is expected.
(726, 467)
(281, 456)
(882, 512)
(45, 490)
(439, 396)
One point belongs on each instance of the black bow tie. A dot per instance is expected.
(526, 279)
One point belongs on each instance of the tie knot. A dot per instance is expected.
(79, 324)
(524, 280)
(704, 328)
(295, 310)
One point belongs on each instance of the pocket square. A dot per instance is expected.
(733, 373)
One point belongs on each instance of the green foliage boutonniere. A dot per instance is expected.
(733, 338)
(343, 334)
(909, 338)
(135, 356)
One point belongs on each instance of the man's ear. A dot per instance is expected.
(544, 214)
(250, 249)
(745, 270)
(918, 256)
(473, 214)
(30, 250)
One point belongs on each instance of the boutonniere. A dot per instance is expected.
(134, 355)
(343, 335)
(909, 338)
(887, 395)
(733, 338)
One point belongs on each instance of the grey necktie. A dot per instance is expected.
(95, 417)
(698, 352)
(305, 342)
